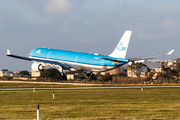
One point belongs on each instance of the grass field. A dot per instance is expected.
(99, 104)
(29, 84)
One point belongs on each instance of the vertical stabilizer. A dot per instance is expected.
(122, 46)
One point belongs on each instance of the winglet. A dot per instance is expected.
(8, 52)
(169, 53)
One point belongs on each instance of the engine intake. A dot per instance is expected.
(38, 67)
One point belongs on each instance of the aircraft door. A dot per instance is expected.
(76, 58)
(48, 55)
(102, 62)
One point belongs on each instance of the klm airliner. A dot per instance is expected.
(79, 61)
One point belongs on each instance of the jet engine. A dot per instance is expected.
(38, 67)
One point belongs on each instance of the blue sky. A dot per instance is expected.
(87, 26)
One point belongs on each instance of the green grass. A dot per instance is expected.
(100, 104)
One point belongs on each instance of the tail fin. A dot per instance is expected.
(122, 46)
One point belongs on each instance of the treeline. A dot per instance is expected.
(53, 75)
(166, 76)
(50, 75)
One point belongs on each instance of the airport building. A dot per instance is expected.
(134, 72)
(121, 69)
(35, 73)
(6, 74)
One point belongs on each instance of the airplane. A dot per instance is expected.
(79, 61)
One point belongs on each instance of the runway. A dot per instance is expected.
(119, 87)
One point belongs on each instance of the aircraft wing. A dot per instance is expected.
(38, 60)
(150, 57)
(16, 56)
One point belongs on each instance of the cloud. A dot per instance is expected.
(69, 25)
(58, 7)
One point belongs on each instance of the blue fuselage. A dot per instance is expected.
(77, 60)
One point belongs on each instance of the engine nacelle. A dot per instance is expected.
(38, 67)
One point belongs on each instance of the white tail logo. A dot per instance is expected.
(120, 47)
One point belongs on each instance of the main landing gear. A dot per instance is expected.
(61, 75)
(92, 76)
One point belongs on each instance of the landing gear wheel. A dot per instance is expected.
(88, 74)
(64, 77)
(95, 78)
(59, 75)
(92, 76)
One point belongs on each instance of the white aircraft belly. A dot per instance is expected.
(95, 68)
(81, 66)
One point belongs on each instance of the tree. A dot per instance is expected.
(24, 72)
(106, 77)
(168, 72)
(51, 73)
(178, 64)
(139, 67)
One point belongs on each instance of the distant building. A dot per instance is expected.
(169, 63)
(120, 69)
(35, 73)
(153, 65)
(70, 76)
(6, 73)
(133, 72)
